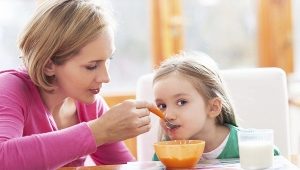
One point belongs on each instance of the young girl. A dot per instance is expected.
(190, 91)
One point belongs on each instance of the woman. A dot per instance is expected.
(50, 112)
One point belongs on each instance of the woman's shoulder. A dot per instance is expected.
(17, 90)
(15, 81)
(14, 77)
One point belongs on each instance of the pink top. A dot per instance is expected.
(29, 138)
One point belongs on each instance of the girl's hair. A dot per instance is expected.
(57, 31)
(202, 72)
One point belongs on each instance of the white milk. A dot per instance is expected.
(256, 154)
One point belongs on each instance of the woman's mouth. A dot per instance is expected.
(94, 91)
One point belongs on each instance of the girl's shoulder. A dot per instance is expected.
(231, 148)
(233, 129)
(234, 137)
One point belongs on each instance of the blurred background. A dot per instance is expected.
(235, 33)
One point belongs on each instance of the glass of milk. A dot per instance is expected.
(256, 148)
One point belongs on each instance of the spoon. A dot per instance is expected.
(160, 114)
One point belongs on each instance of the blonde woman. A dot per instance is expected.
(189, 90)
(50, 112)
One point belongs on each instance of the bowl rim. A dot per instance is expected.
(168, 143)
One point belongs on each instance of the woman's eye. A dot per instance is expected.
(181, 102)
(91, 67)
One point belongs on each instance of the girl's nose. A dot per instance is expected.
(170, 114)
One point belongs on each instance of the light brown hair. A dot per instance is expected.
(203, 73)
(57, 31)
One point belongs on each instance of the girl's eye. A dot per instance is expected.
(161, 106)
(181, 102)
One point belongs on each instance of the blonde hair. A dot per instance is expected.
(57, 31)
(202, 72)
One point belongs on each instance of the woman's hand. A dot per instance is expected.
(125, 120)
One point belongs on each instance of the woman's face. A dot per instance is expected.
(82, 76)
(182, 105)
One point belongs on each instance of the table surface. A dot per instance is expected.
(280, 163)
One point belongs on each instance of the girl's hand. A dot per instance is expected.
(125, 120)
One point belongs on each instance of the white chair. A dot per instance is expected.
(259, 96)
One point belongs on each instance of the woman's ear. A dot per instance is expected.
(215, 107)
(49, 69)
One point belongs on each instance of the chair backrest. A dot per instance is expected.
(259, 96)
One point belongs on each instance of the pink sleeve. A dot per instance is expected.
(113, 153)
(37, 151)
(47, 151)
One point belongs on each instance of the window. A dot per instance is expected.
(224, 29)
(133, 56)
(13, 16)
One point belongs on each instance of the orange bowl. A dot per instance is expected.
(179, 153)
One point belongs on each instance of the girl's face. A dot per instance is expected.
(182, 105)
(82, 76)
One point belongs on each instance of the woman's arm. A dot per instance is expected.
(43, 151)
(113, 153)
(30, 147)
(121, 122)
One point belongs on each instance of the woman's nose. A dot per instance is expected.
(102, 76)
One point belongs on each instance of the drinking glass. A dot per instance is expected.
(256, 148)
